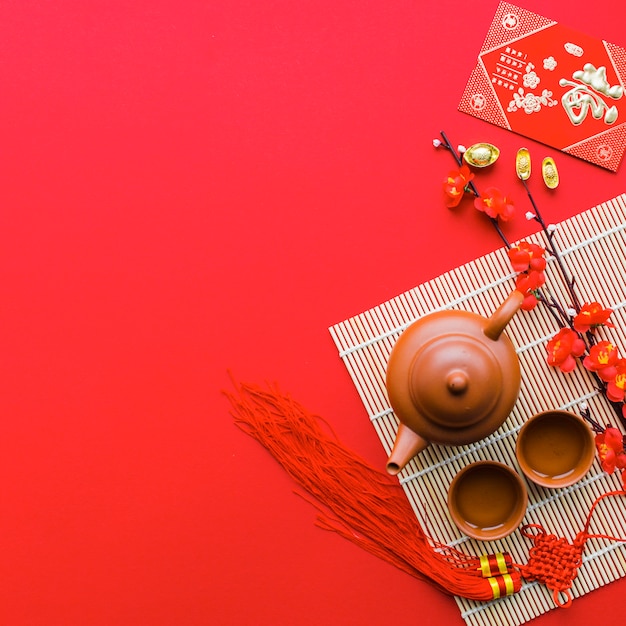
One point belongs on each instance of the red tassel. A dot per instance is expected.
(359, 501)
(366, 506)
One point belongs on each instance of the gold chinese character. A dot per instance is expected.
(585, 95)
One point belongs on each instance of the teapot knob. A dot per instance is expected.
(457, 382)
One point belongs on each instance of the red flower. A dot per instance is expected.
(562, 349)
(454, 185)
(591, 316)
(527, 256)
(602, 359)
(528, 283)
(495, 204)
(610, 446)
(616, 388)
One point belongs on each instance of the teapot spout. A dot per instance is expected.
(503, 315)
(406, 446)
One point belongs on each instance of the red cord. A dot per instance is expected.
(554, 561)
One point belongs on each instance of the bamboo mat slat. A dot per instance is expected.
(593, 244)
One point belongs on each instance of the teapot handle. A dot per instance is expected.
(503, 315)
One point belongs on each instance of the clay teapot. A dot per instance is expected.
(452, 378)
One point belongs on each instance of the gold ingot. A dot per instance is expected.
(522, 164)
(481, 154)
(550, 173)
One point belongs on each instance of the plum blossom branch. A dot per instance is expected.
(576, 341)
(549, 231)
(469, 184)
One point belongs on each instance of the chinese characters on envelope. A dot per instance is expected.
(552, 84)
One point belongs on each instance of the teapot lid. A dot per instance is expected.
(455, 380)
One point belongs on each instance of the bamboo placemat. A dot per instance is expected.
(593, 245)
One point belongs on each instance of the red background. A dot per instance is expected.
(189, 187)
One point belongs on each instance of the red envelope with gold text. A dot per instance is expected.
(552, 84)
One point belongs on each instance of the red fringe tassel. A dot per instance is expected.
(369, 508)
(360, 502)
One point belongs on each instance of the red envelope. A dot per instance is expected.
(552, 84)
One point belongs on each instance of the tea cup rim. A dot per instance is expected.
(511, 524)
(587, 451)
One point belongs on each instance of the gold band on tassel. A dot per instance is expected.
(502, 585)
(495, 588)
(509, 585)
(502, 568)
(491, 564)
(485, 566)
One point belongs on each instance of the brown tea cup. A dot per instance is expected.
(555, 448)
(487, 500)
